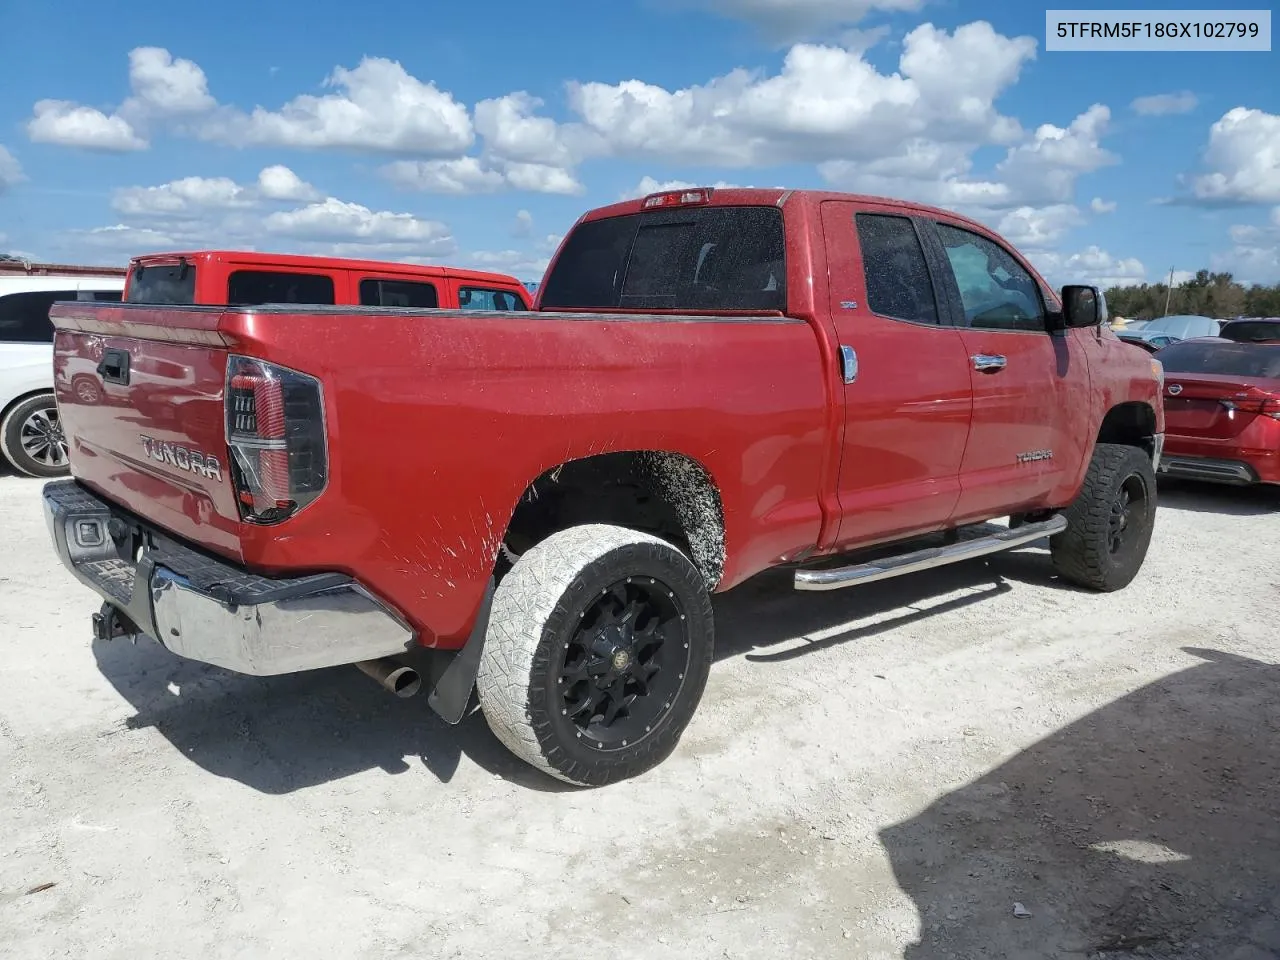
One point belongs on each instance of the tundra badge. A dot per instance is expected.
(184, 458)
(1031, 456)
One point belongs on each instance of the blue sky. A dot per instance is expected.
(477, 134)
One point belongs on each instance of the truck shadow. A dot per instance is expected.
(281, 734)
(1216, 498)
(1150, 827)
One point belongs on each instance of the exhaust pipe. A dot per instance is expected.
(392, 676)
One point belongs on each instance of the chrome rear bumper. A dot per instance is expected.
(203, 608)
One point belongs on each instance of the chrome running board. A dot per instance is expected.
(836, 578)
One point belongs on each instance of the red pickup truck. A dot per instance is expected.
(712, 383)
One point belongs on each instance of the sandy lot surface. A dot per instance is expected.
(878, 774)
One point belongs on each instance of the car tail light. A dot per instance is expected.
(678, 198)
(276, 434)
(1265, 406)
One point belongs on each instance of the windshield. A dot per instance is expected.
(703, 258)
(1221, 358)
(172, 283)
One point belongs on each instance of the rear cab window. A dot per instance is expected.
(484, 298)
(162, 283)
(376, 292)
(247, 288)
(697, 258)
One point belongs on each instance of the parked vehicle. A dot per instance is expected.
(711, 384)
(247, 279)
(1181, 327)
(1222, 408)
(1252, 329)
(31, 436)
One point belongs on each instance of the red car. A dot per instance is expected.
(1222, 411)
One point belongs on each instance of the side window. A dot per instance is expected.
(24, 317)
(475, 298)
(997, 293)
(247, 288)
(100, 296)
(898, 281)
(397, 293)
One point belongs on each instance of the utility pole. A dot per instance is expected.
(1169, 295)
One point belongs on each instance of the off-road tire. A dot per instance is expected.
(1084, 553)
(11, 439)
(539, 607)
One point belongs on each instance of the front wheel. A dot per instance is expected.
(598, 648)
(1110, 523)
(31, 438)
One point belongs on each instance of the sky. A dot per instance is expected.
(476, 136)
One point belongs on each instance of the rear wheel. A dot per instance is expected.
(31, 438)
(599, 645)
(1110, 523)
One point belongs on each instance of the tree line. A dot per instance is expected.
(1207, 294)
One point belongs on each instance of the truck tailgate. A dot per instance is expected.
(141, 397)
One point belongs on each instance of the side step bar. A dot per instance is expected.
(836, 578)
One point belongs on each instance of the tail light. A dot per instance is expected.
(1267, 407)
(276, 434)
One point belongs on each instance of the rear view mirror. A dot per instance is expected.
(1083, 306)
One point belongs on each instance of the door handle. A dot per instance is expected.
(988, 362)
(114, 367)
(848, 364)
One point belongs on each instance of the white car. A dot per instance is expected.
(31, 436)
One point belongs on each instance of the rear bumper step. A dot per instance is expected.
(836, 578)
(206, 609)
(1206, 468)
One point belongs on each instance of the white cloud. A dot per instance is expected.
(1098, 205)
(519, 263)
(191, 195)
(10, 170)
(1092, 265)
(1039, 227)
(1163, 104)
(826, 103)
(122, 241)
(278, 182)
(379, 107)
(523, 225)
(1255, 253)
(648, 185)
(465, 175)
(180, 197)
(790, 19)
(68, 124)
(511, 130)
(339, 221)
(1040, 172)
(165, 87)
(1243, 159)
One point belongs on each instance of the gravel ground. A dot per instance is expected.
(878, 774)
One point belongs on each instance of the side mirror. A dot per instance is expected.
(1083, 306)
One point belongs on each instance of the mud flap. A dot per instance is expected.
(452, 690)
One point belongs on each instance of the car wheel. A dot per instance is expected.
(1110, 523)
(597, 652)
(31, 438)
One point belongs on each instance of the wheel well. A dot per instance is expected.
(22, 399)
(665, 494)
(1130, 425)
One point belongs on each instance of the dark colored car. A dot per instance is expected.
(1252, 330)
(1222, 411)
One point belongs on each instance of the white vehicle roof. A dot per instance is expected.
(10, 283)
